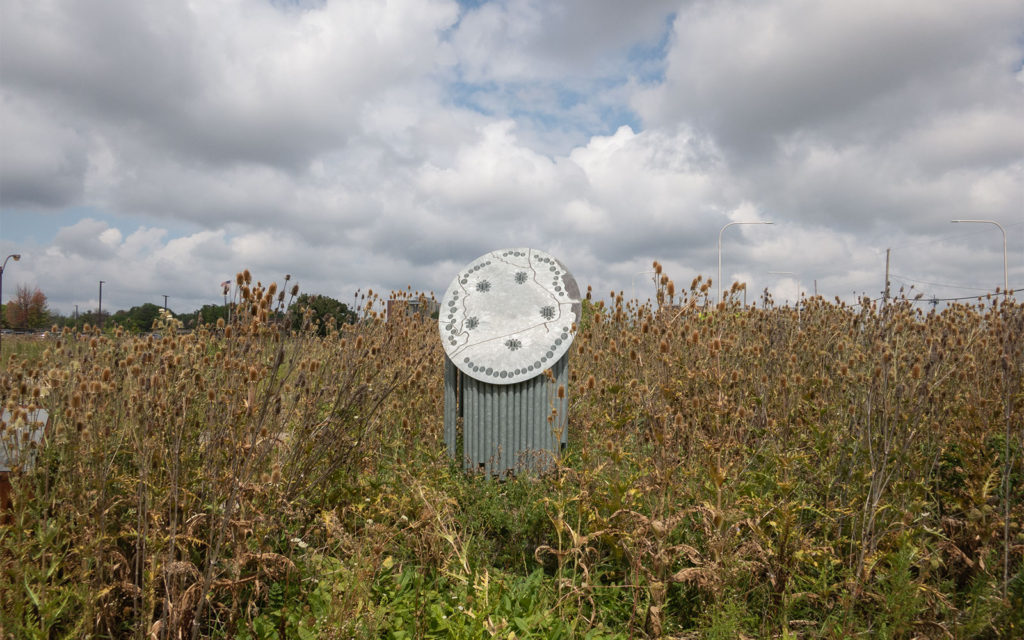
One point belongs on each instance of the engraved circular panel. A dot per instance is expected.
(509, 315)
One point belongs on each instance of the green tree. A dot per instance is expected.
(210, 313)
(138, 318)
(322, 311)
(27, 309)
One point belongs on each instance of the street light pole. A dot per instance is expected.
(99, 313)
(17, 257)
(720, 252)
(1006, 284)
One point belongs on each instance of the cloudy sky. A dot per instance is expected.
(164, 146)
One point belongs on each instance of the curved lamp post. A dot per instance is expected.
(720, 252)
(1006, 287)
(16, 256)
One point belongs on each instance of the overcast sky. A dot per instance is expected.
(164, 146)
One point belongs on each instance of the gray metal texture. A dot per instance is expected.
(509, 315)
(506, 428)
(451, 406)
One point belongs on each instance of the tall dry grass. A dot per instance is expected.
(731, 471)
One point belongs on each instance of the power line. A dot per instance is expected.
(978, 297)
(937, 284)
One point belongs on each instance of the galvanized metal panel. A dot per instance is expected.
(469, 422)
(451, 405)
(561, 372)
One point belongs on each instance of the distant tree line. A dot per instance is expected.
(28, 310)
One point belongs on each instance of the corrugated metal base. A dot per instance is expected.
(506, 428)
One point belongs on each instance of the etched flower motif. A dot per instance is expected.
(483, 286)
(472, 323)
(521, 277)
(513, 344)
(548, 312)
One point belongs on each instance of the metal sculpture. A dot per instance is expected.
(506, 322)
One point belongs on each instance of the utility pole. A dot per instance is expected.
(99, 313)
(815, 287)
(76, 316)
(885, 294)
(165, 302)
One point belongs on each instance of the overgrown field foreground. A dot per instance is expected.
(732, 471)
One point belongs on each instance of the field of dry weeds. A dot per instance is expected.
(848, 471)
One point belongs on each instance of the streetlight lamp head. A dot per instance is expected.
(16, 256)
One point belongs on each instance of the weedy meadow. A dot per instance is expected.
(844, 471)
